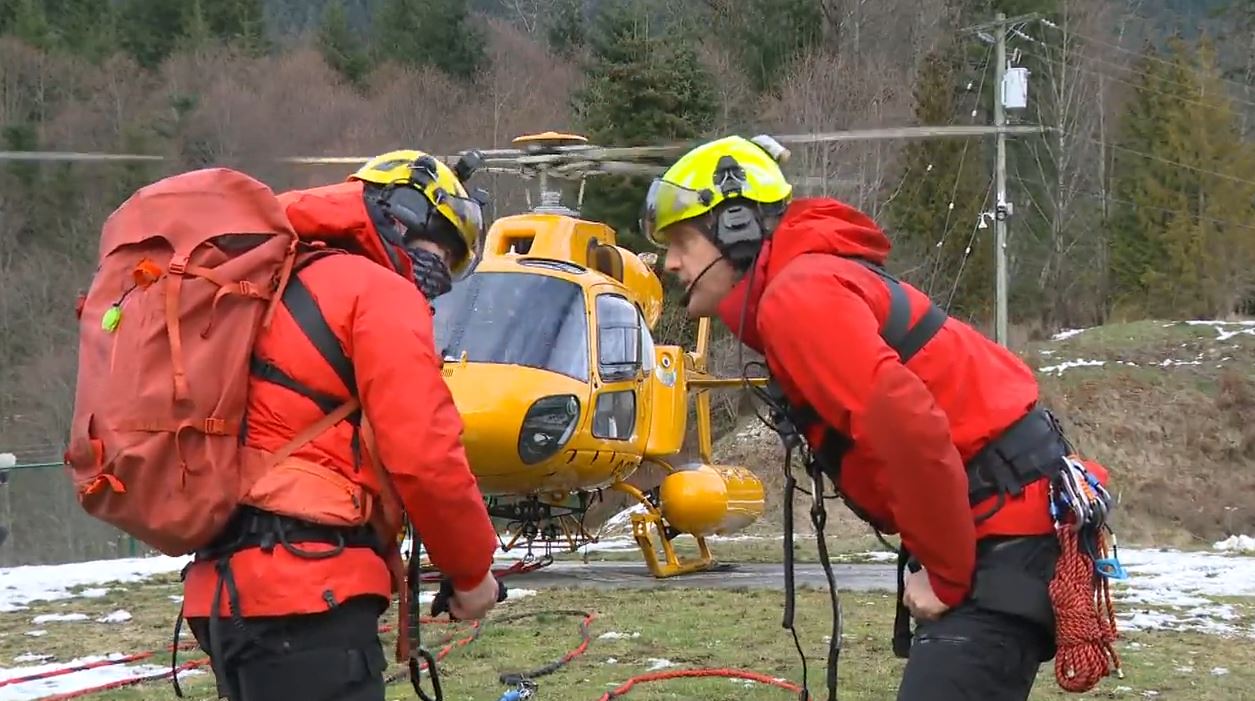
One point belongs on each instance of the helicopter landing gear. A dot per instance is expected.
(671, 565)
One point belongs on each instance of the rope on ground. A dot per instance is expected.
(1085, 619)
(691, 673)
(515, 678)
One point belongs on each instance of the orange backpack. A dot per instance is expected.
(191, 268)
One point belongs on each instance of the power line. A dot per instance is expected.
(1140, 54)
(1139, 86)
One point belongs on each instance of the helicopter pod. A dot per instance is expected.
(699, 500)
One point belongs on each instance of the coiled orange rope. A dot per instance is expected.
(1084, 618)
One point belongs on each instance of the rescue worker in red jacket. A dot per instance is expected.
(298, 601)
(926, 427)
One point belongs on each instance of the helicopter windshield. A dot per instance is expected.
(513, 318)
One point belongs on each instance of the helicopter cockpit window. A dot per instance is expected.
(618, 338)
(647, 344)
(515, 319)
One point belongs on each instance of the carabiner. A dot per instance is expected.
(416, 675)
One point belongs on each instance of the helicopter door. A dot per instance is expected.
(620, 405)
(667, 391)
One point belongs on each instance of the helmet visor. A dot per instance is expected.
(468, 217)
(665, 204)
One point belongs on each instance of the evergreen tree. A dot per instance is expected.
(769, 35)
(1181, 241)
(437, 33)
(564, 29)
(938, 208)
(30, 24)
(149, 30)
(643, 86)
(341, 47)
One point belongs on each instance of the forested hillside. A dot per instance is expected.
(1138, 203)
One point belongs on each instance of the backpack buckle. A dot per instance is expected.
(178, 265)
(215, 426)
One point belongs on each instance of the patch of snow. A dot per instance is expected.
(1066, 334)
(616, 635)
(624, 517)
(611, 660)
(1219, 671)
(32, 657)
(20, 586)
(657, 663)
(1173, 589)
(58, 618)
(1058, 369)
(118, 616)
(94, 592)
(78, 680)
(37, 633)
(7, 460)
(1236, 543)
(1226, 330)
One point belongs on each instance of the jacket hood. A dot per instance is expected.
(809, 225)
(826, 225)
(337, 215)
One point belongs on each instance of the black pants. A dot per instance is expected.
(991, 646)
(333, 656)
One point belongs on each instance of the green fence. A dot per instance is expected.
(47, 525)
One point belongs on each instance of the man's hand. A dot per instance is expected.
(476, 603)
(919, 597)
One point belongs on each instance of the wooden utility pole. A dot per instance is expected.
(1000, 206)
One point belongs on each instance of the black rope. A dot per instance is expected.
(516, 678)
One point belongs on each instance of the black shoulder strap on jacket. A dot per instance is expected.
(304, 310)
(904, 339)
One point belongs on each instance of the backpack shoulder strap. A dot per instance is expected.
(304, 309)
(903, 338)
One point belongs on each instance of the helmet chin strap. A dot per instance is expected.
(688, 291)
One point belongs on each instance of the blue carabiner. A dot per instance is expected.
(1110, 568)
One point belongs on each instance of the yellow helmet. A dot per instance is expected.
(411, 171)
(711, 174)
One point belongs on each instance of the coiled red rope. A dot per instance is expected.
(1084, 618)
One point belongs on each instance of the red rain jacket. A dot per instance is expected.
(816, 317)
(385, 327)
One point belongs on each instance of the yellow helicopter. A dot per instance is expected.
(549, 353)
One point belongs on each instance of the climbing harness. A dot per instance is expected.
(793, 423)
(1079, 592)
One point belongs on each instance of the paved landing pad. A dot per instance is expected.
(756, 575)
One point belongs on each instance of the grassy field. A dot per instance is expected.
(670, 629)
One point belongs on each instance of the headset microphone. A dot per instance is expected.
(688, 291)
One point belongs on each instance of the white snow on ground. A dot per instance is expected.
(1066, 333)
(1226, 330)
(1170, 590)
(7, 460)
(1068, 364)
(1236, 543)
(20, 586)
(42, 688)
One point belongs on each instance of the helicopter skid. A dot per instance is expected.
(670, 565)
